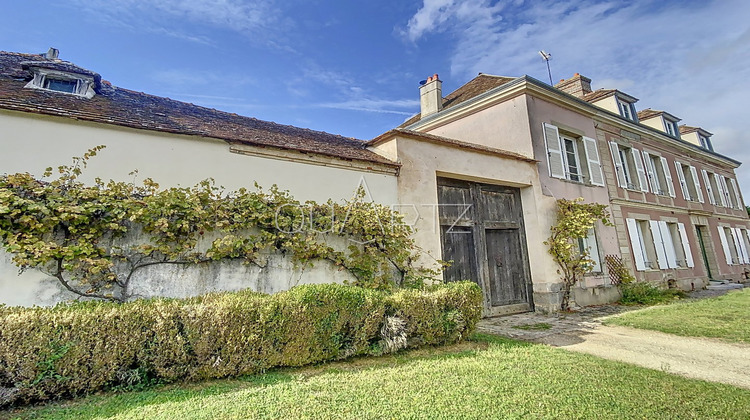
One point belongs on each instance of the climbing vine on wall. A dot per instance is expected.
(83, 234)
(574, 220)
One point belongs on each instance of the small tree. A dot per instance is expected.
(574, 220)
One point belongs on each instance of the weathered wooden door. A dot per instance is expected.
(482, 232)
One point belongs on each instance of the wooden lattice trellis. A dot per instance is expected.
(616, 268)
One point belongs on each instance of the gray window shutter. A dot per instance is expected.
(694, 173)
(683, 182)
(554, 151)
(661, 254)
(737, 197)
(635, 244)
(619, 174)
(709, 189)
(594, 251)
(725, 245)
(642, 179)
(686, 245)
(667, 176)
(595, 166)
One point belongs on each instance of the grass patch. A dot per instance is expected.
(489, 377)
(540, 326)
(726, 317)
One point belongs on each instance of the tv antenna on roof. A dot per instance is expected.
(546, 57)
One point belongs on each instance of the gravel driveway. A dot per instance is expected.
(700, 358)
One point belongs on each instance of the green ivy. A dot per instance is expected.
(79, 233)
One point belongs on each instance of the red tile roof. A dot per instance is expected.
(473, 88)
(598, 94)
(648, 113)
(117, 106)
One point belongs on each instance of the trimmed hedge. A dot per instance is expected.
(78, 348)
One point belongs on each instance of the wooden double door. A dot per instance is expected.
(482, 233)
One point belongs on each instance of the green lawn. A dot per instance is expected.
(487, 378)
(726, 317)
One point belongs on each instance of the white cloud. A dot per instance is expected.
(691, 59)
(259, 19)
(383, 106)
(350, 94)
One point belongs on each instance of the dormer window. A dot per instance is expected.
(61, 85)
(64, 82)
(55, 75)
(671, 127)
(627, 109)
(705, 142)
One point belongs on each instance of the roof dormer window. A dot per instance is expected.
(52, 74)
(61, 85)
(64, 82)
(705, 142)
(671, 128)
(627, 109)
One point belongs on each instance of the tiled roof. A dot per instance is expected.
(122, 107)
(685, 129)
(475, 87)
(648, 113)
(598, 94)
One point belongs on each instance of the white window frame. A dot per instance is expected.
(627, 109)
(660, 177)
(670, 127)
(626, 176)
(585, 149)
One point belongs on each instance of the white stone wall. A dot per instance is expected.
(31, 143)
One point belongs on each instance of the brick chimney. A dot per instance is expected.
(577, 85)
(431, 96)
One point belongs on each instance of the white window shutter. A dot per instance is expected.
(722, 186)
(737, 198)
(666, 238)
(595, 165)
(694, 173)
(686, 245)
(668, 176)
(651, 173)
(742, 236)
(681, 179)
(554, 151)
(635, 244)
(642, 179)
(619, 174)
(740, 244)
(661, 255)
(725, 245)
(709, 189)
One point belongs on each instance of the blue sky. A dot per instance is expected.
(353, 67)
